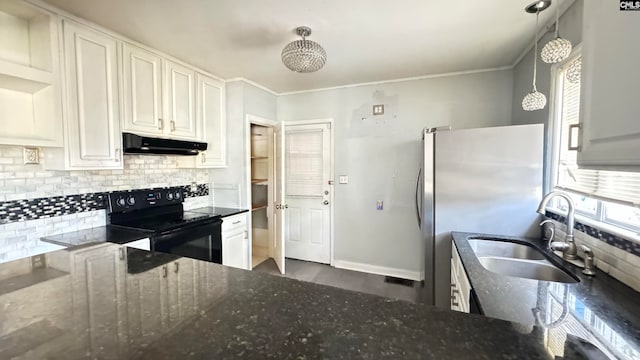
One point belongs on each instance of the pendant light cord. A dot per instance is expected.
(557, 22)
(535, 53)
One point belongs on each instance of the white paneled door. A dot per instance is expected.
(308, 192)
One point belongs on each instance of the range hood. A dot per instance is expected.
(136, 144)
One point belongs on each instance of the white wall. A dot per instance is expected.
(242, 99)
(381, 154)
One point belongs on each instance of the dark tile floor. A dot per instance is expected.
(345, 279)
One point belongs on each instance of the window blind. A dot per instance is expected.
(616, 186)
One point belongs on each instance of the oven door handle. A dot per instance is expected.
(194, 225)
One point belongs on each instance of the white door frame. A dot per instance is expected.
(331, 172)
(253, 119)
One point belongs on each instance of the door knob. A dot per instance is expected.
(326, 202)
(326, 192)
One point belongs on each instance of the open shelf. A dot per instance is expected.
(258, 207)
(23, 78)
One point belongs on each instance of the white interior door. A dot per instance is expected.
(308, 193)
(279, 201)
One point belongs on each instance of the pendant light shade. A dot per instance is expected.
(534, 100)
(574, 71)
(558, 49)
(303, 56)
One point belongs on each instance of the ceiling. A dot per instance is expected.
(365, 40)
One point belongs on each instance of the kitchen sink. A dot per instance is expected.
(504, 257)
(485, 247)
(529, 269)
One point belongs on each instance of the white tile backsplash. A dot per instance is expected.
(19, 181)
(620, 264)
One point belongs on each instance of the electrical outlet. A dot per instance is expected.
(378, 109)
(379, 205)
(344, 179)
(194, 187)
(38, 262)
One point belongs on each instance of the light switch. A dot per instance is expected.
(379, 205)
(344, 179)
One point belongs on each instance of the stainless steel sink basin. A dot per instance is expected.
(504, 257)
(484, 247)
(536, 269)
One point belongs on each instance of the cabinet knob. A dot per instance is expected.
(173, 126)
(165, 271)
(160, 124)
(117, 153)
(176, 267)
(204, 157)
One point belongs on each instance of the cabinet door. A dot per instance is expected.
(610, 84)
(210, 111)
(235, 249)
(93, 108)
(100, 300)
(147, 304)
(142, 91)
(180, 118)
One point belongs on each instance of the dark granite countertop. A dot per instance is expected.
(599, 309)
(219, 211)
(187, 308)
(108, 233)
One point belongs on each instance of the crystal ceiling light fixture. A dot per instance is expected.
(535, 100)
(304, 56)
(574, 71)
(558, 49)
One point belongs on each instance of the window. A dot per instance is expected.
(610, 197)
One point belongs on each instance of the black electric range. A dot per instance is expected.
(171, 229)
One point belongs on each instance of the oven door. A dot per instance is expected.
(201, 240)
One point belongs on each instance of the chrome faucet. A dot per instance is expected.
(568, 248)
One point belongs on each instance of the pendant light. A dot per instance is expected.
(574, 71)
(303, 56)
(535, 100)
(558, 49)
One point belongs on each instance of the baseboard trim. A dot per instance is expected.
(378, 270)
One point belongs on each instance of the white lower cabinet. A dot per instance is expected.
(235, 242)
(460, 286)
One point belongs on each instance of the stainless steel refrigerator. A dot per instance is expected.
(486, 180)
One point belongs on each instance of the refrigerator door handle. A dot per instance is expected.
(418, 194)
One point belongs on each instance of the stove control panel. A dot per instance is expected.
(142, 199)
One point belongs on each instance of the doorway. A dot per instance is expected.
(308, 153)
(261, 185)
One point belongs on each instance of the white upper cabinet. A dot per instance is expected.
(180, 101)
(93, 138)
(211, 113)
(610, 85)
(30, 91)
(159, 96)
(142, 89)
